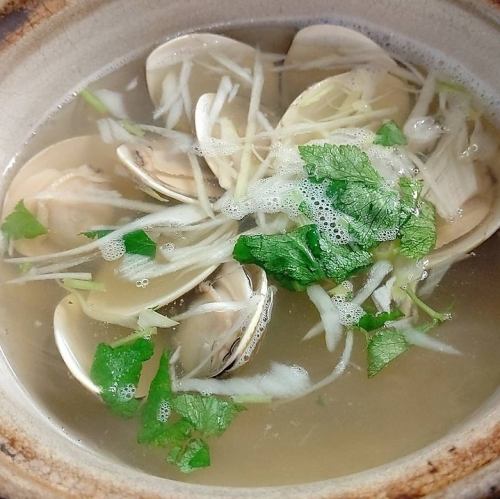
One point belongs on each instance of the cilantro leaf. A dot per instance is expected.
(370, 322)
(156, 411)
(22, 224)
(139, 243)
(338, 162)
(290, 258)
(136, 242)
(339, 262)
(411, 190)
(383, 347)
(374, 210)
(418, 233)
(116, 372)
(195, 454)
(210, 415)
(389, 134)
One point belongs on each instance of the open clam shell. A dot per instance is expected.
(335, 48)
(214, 342)
(79, 166)
(221, 137)
(358, 98)
(167, 170)
(181, 70)
(77, 347)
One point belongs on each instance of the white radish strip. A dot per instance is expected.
(170, 93)
(150, 269)
(194, 227)
(423, 340)
(239, 71)
(149, 318)
(175, 113)
(84, 276)
(348, 121)
(406, 322)
(223, 91)
(177, 217)
(338, 370)
(127, 204)
(113, 101)
(184, 76)
(382, 296)
(264, 122)
(329, 315)
(58, 267)
(233, 93)
(375, 277)
(218, 306)
(425, 98)
(132, 84)
(200, 185)
(184, 141)
(142, 333)
(280, 382)
(316, 330)
(220, 234)
(111, 131)
(253, 108)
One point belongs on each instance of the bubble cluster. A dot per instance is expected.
(126, 392)
(164, 411)
(323, 214)
(113, 250)
(142, 283)
(269, 195)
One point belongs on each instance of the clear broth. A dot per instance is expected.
(352, 425)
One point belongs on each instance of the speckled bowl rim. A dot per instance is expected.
(37, 459)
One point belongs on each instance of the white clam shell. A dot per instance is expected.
(74, 164)
(336, 48)
(204, 51)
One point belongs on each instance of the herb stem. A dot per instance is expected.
(92, 100)
(437, 316)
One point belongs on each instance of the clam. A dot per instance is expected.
(479, 221)
(217, 342)
(181, 70)
(163, 167)
(47, 183)
(136, 283)
(358, 98)
(335, 48)
(221, 136)
(77, 347)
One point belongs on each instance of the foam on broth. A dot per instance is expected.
(350, 426)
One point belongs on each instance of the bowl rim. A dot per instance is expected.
(28, 468)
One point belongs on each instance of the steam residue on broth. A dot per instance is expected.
(257, 254)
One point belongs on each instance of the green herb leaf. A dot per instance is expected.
(195, 454)
(116, 372)
(339, 262)
(411, 190)
(136, 242)
(156, 411)
(389, 134)
(139, 243)
(375, 210)
(22, 224)
(383, 347)
(338, 162)
(210, 415)
(370, 322)
(418, 234)
(290, 258)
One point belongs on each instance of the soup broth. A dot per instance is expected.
(351, 425)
